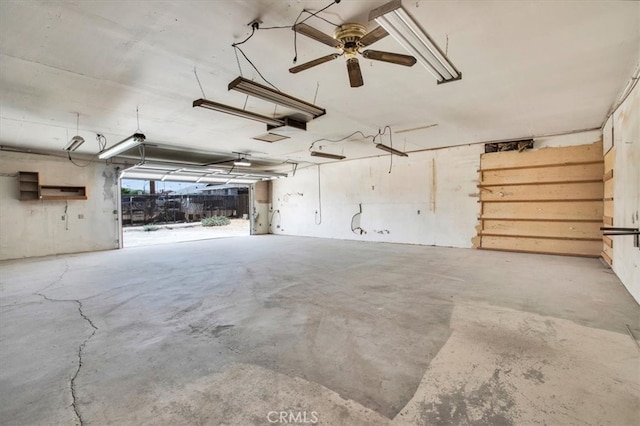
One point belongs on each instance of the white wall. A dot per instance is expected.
(40, 228)
(447, 199)
(260, 203)
(572, 139)
(625, 138)
(407, 205)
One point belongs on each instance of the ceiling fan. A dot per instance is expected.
(349, 39)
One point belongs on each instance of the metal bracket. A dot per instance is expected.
(612, 231)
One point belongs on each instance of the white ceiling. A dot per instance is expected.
(529, 68)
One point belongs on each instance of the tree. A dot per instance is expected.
(129, 191)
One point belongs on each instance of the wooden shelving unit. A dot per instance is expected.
(30, 189)
(58, 192)
(29, 186)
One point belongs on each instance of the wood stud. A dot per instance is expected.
(608, 199)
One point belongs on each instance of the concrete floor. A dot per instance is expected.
(234, 331)
(136, 236)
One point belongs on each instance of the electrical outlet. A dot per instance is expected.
(80, 216)
(418, 211)
(62, 217)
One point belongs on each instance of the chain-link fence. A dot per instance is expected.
(162, 208)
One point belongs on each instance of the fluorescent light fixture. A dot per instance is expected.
(391, 150)
(327, 155)
(242, 162)
(257, 90)
(74, 143)
(203, 103)
(401, 26)
(133, 140)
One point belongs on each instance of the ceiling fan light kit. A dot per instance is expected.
(402, 27)
(391, 150)
(257, 90)
(125, 144)
(327, 155)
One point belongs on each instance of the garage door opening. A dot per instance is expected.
(169, 212)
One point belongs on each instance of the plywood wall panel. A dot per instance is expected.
(578, 154)
(608, 251)
(576, 230)
(575, 173)
(560, 191)
(544, 201)
(608, 208)
(608, 189)
(557, 210)
(608, 197)
(544, 245)
(609, 159)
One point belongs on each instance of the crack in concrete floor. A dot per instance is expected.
(72, 386)
(363, 330)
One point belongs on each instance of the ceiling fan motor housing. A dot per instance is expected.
(349, 35)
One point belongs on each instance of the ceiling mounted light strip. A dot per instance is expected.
(401, 26)
(74, 143)
(128, 143)
(391, 150)
(77, 140)
(257, 90)
(214, 106)
(327, 155)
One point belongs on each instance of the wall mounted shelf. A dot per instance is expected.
(30, 189)
(29, 186)
(58, 192)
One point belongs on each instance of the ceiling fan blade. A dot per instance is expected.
(355, 76)
(394, 58)
(313, 63)
(373, 36)
(317, 35)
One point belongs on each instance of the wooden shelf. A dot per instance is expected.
(30, 189)
(28, 186)
(59, 192)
